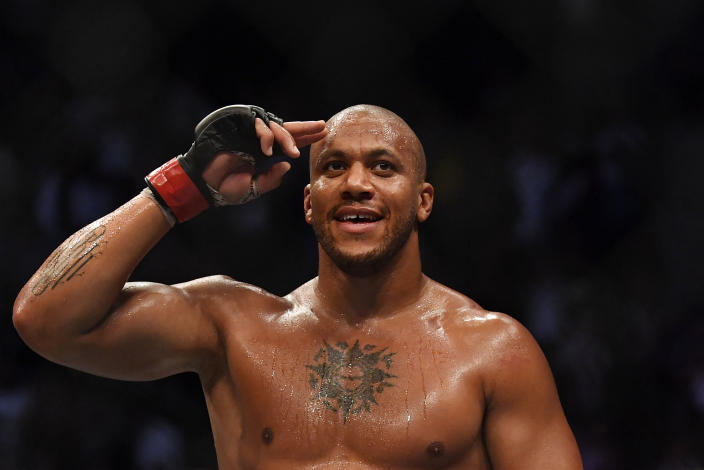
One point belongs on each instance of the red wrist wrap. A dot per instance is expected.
(177, 190)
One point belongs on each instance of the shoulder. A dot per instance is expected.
(221, 292)
(500, 345)
(468, 317)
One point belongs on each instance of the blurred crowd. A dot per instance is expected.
(564, 140)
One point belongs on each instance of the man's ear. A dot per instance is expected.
(425, 202)
(306, 204)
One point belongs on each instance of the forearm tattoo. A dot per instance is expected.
(69, 260)
(348, 378)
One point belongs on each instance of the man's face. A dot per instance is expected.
(365, 194)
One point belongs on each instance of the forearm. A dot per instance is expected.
(75, 287)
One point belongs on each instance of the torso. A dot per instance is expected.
(298, 390)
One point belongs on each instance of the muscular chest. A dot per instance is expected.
(387, 397)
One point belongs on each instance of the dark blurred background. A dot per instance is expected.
(565, 143)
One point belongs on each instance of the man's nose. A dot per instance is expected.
(358, 184)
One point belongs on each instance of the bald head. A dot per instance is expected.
(381, 122)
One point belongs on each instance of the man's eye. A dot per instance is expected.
(383, 166)
(335, 166)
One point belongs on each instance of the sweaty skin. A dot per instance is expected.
(370, 365)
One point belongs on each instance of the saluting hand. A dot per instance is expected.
(231, 175)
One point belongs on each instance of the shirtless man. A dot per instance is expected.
(370, 365)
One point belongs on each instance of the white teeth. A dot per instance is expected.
(356, 217)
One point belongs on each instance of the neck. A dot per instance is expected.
(389, 289)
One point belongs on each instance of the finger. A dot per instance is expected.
(304, 127)
(285, 140)
(266, 137)
(272, 178)
(310, 138)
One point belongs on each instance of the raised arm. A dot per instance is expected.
(78, 309)
(525, 426)
(74, 310)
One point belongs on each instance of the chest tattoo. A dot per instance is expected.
(346, 379)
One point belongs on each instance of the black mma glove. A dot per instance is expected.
(178, 186)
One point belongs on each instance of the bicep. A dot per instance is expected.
(525, 425)
(152, 331)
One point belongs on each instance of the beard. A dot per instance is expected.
(363, 264)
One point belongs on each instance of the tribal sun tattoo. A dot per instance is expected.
(347, 378)
(68, 261)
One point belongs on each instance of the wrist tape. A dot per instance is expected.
(168, 215)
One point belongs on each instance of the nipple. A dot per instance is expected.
(267, 436)
(436, 449)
